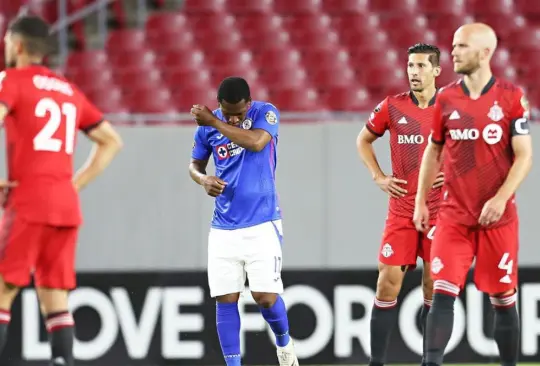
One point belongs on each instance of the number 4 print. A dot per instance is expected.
(431, 233)
(506, 264)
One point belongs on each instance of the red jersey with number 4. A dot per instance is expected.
(45, 112)
(478, 153)
(409, 128)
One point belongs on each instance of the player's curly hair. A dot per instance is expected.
(35, 32)
(233, 90)
(433, 52)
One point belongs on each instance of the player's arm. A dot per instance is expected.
(432, 158)
(200, 153)
(523, 153)
(9, 91)
(107, 144)
(375, 127)
(197, 170)
(264, 128)
(3, 112)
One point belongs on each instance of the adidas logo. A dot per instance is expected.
(454, 115)
(402, 121)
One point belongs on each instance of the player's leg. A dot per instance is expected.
(397, 254)
(263, 267)
(226, 279)
(17, 256)
(452, 253)
(496, 274)
(427, 281)
(54, 277)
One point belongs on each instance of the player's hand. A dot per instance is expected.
(421, 217)
(5, 184)
(492, 211)
(392, 186)
(439, 181)
(203, 115)
(213, 185)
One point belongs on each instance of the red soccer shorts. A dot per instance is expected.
(496, 251)
(46, 251)
(402, 244)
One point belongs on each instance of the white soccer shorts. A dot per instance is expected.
(255, 251)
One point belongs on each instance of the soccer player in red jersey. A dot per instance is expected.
(407, 117)
(482, 124)
(38, 229)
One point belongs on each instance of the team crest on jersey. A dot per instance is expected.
(229, 150)
(246, 125)
(496, 113)
(270, 117)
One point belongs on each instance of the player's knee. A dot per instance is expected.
(52, 300)
(503, 299)
(444, 295)
(228, 299)
(389, 282)
(264, 299)
(8, 292)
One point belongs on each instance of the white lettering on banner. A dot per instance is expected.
(347, 328)
(530, 324)
(116, 313)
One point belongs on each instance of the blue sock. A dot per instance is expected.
(276, 317)
(228, 328)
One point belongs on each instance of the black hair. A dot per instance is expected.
(233, 90)
(433, 52)
(35, 32)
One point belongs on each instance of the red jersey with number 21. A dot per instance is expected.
(409, 128)
(45, 113)
(478, 152)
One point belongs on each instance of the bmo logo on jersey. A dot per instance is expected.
(410, 139)
(491, 134)
(229, 150)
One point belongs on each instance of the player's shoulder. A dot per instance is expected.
(506, 86)
(400, 97)
(449, 89)
(259, 105)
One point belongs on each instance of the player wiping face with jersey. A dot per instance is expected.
(246, 234)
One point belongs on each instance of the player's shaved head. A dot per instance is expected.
(28, 35)
(474, 45)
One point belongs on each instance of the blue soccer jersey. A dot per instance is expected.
(250, 197)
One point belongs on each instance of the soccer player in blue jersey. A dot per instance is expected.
(246, 233)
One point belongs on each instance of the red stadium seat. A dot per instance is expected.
(277, 60)
(307, 22)
(89, 80)
(268, 40)
(140, 58)
(296, 99)
(106, 96)
(347, 99)
(182, 79)
(297, 6)
(133, 79)
(340, 7)
(203, 6)
(364, 41)
(442, 7)
(446, 25)
(227, 57)
(219, 40)
(217, 75)
(111, 106)
(495, 8)
(184, 99)
(284, 78)
(249, 6)
(183, 41)
(394, 6)
(503, 24)
(322, 39)
(525, 39)
(95, 59)
(193, 60)
(528, 7)
(254, 24)
(356, 22)
(150, 101)
(387, 57)
(213, 23)
(315, 59)
(397, 22)
(162, 23)
(125, 39)
(381, 78)
(409, 36)
(325, 78)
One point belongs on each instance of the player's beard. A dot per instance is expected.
(469, 68)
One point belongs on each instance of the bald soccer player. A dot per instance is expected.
(482, 123)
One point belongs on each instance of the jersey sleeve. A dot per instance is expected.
(8, 89)
(91, 117)
(519, 118)
(379, 120)
(268, 119)
(201, 149)
(438, 129)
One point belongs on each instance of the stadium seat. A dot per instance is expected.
(394, 6)
(320, 38)
(215, 40)
(192, 60)
(150, 101)
(125, 39)
(218, 22)
(268, 40)
(249, 6)
(183, 100)
(495, 7)
(228, 58)
(278, 60)
(397, 22)
(328, 77)
(136, 79)
(296, 99)
(89, 80)
(340, 7)
(297, 6)
(218, 74)
(442, 7)
(111, 94)
(528, 7)
(162, 42)
(409, 36)
(361, 23)
(169, 22)
(254, 24)
(314, 59)
(387, 57)
(364, 41)
(203, 6)
(137, 58)
(283, 78)
(348, 99)
(307, 22)
(525, 39)
(95, 59)
(182, 79)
